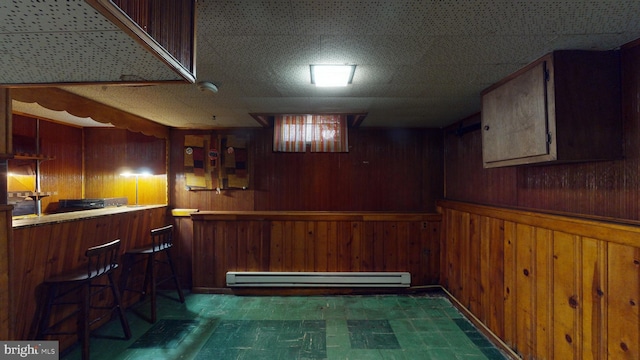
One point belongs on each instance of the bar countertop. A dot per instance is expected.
(27, 221)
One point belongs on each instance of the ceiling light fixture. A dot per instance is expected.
(205, 85)
(332, 75)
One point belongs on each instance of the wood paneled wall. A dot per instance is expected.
(385, 170)
(552, 287)
(88, 162)
(63, 174)
(605, 188)
(108, 152)
(290, 241)
(50, 249)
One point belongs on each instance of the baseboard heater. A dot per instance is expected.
(318, 279)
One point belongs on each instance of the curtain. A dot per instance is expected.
(324, 133)
(329, 133)
(289, 133)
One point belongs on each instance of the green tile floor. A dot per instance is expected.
(422, 326)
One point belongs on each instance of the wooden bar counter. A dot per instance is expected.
(313, 241)
(53, 244)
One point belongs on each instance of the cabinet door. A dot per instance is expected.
(515, 119)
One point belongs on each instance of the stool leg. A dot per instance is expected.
(83, 320)
(124, 275)
(175, 276)
(43, 324)
(152, 277)
(118, 300)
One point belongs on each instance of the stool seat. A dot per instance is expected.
(77, 276)
(77, 288)
(148, 250)
(156, 254)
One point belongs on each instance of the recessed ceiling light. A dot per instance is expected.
(332, 75)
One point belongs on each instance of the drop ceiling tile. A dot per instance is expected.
(124, 56)
(28, 16)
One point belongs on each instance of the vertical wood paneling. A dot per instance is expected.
(310, 246)
(401, 242)
(510, 299)
(313, 245)
(108, 152)
(567, 294)
(496, 277)
(367, 249)
(623, 299)
(211, 254)
(321, 248)
(379, 239)
(298, 259)
(371, 177)
(339, 255)
(389, 250)
(566, 299)
(543, 253)
(183, 249)
(524, 290)
(63, 174)
(355, 241)
(474, 271)
(594, 324)
(276, 259)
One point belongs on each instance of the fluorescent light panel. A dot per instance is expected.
(332, 75)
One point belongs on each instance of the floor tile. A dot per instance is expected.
(228, 327)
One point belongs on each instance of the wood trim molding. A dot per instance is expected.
(61, 100)
(311, 216)
(611, 230)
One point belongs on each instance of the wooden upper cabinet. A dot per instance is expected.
(564, 107)
(166, 28)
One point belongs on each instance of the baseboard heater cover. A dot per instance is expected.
(318, 279)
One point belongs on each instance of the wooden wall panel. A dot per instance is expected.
(525, 291)
(569, 286)
(510, 299)
(109, 152)
(371, 177)
(623, 337)
(385, 170)
(566, 299)
(63, 174)
(594, 303)
(269, 243)
(543, 303)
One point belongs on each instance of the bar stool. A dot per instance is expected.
(64, 290)
(157, 253)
